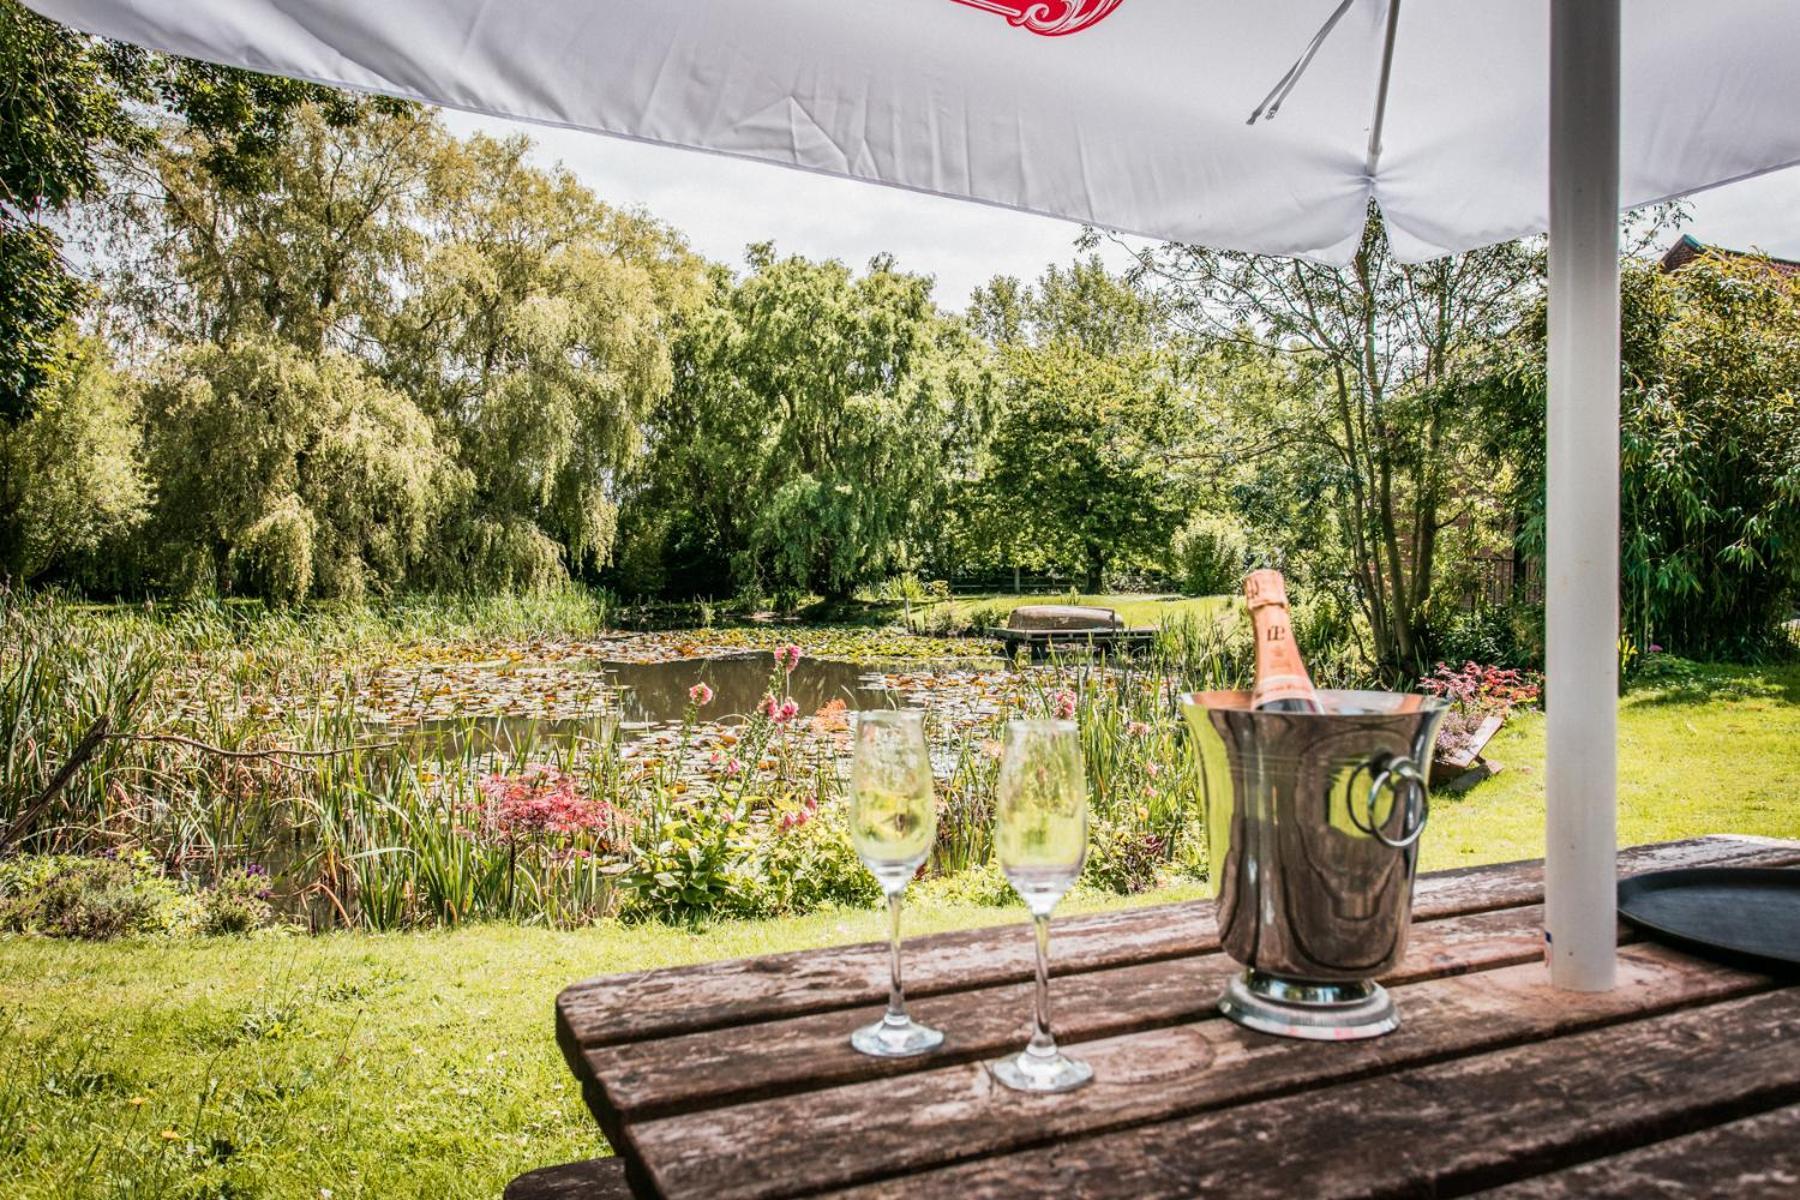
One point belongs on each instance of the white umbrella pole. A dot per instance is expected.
(1582, 517)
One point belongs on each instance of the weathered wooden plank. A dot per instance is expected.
(703, 1070)
(890, 1127)
(1448, 1128)
(1758, 1156)
(679, 1000)
(595, 1179)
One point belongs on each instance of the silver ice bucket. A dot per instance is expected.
(1313, 822)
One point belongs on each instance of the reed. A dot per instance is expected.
(359, 828)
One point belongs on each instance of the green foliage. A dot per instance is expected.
(1081, 469)
(808, 863)
(816, 423)
(70, 480)
(237, 902)
(1711, 459)
(89, 898)
(1510, 636)
(1078, 458)
(1710, 453)
(58, 108)
(1210, 555)
(287, 475)
(691, 863)
(1122, 860)
(536, 330)
(68, 102)
(1345, 422)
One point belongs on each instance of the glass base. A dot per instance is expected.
(901, 1039)
(1053, 1072)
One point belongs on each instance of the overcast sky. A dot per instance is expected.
(724, 204)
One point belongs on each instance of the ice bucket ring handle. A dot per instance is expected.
(1403, 776)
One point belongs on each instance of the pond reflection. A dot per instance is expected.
(644, 697)
(654, 693)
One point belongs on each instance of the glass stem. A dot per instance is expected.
(1042, 1044)
(896, 1009)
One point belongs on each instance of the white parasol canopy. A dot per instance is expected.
(1468, 121)
(1126, 114)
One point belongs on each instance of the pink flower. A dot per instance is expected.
(1138, 728)
(1063, 705)
(788, 657)
(790, 821)
(769, 706)
(734, 766)
(700, 694)
(1655, 649)
(789, 710)
(1152, 770)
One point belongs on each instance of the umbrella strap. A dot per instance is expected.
(1272, 102)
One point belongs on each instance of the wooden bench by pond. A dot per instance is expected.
(736, 1081)
(1041, 628)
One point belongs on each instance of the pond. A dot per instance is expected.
(654, 693)
(639, 699)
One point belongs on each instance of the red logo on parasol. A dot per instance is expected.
(1052, 18)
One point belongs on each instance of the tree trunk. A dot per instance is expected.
(1095, 581)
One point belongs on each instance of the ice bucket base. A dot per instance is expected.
(1322, 1012)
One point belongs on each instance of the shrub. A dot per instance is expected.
(807, 862)
(689, 863)
(237, 902)
(985, 885)
(1490, 634)
(1122, 860)
(89, 898)
(1210, 555)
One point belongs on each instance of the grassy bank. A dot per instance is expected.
(1147, 611)
(349, 1065)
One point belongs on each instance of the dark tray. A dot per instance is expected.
(1746, 916)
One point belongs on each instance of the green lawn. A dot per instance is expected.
(1135, 609)
(1717, 753)
(423, 1064)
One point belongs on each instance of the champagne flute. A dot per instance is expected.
(893, 823)
(1040, 838)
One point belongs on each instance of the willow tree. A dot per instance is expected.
(285, 474)
(536, 332)
(817, 418)
(1375, 423)
(69, 477)
(304, 249)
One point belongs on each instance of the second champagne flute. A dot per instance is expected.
(1040, 838)
(893, 823)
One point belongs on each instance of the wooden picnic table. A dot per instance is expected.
(736, 1080)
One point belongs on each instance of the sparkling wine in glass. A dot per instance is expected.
(893, 822)
(1040, 838)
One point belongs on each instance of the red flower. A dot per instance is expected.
(544, 801)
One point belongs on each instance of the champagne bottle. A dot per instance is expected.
(1282, 684)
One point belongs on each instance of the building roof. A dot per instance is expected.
(1689, 248)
